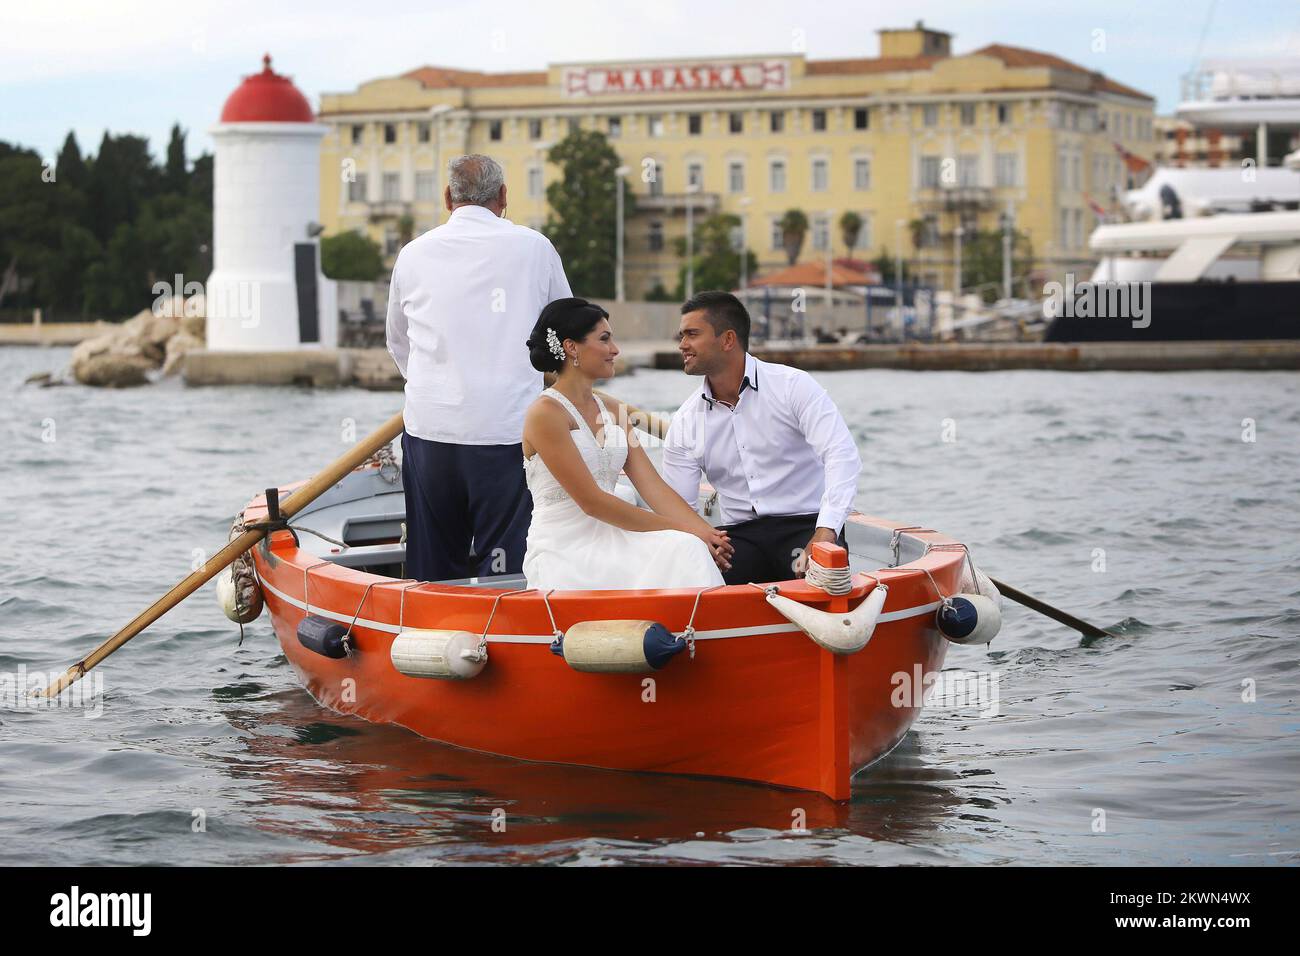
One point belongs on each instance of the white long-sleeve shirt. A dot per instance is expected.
(783, 450)
(463, 299)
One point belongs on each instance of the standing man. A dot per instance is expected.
(463, 300)
(768, 439)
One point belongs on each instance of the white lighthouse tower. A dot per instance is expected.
(266, 291)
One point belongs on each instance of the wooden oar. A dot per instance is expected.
(294, 503)
(657, 425)
(1055, 613)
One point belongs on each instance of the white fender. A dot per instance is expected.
(443, 655)
(844, 633)
(242, 609)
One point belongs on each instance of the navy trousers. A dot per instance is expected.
(766, 548)
(467, 509)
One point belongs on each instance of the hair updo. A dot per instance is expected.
(570, 319)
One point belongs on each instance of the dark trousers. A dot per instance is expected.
(467, 509)
(766, 548)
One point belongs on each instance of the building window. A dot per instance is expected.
(494, 130)
(357, 189)
(1004, 169)
(695, 175)
(535, 190)
(655, 125)
(657, 180)
(1004, 114)
(392, 183)
(776, 121)
(575, 124)
(861, 118)
(422, 132)
(424, 186)
(861, 173)
(821, 233)
(819, 121)
(1064, 232)
(778, 237)
(615, 127)
(930, 114)
(656, 240)
(694, 123)
(929, 231)
(390, 132)
(864, 234)
(358, 131)
(392, 241)
(968, 170)
(929, 172)
(821, 174)
(736, 122)
(968, 114)
(776, 176)
(736, 177)
(534, 129)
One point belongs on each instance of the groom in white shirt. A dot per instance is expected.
(769, 440)
(463, 299)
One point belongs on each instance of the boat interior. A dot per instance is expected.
(359, 524)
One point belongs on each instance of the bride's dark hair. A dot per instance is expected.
(569, 319)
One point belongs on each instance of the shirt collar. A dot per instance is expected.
(749, 381)
(472, 212)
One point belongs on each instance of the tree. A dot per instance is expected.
(350, 255)
(581, 222)
(981, 260)
(717, 261)
(794, 226)
(885, 263)
(175, 175)
(850, 229)
(122, 179)
(70, 169)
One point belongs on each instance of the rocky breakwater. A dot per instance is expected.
(145, 347)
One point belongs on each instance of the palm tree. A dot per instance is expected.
(794, 226)
(850, 229)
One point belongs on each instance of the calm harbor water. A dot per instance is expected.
(1130, 499)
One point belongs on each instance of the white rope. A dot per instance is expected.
(830, 580)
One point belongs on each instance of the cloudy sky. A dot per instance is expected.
(140, 65)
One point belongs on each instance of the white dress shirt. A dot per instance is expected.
(783, 450)
(464, 298)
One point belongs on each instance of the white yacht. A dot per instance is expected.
(1217, 251)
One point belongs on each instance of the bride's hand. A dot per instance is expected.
(720, 546)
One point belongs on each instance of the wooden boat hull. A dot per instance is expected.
(758, 701)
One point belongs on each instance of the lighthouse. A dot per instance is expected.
(267, 291)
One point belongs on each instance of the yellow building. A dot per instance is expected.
(917, 141)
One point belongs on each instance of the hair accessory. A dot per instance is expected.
(553, 343)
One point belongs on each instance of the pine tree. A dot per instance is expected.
(581, 224)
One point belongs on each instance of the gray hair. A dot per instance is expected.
(475, 178)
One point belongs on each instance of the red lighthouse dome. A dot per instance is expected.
(267, 97)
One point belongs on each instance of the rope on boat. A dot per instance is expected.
(689, 634)
(482, 642)
(342, 544)
(347, 638)
(555, 631)
(385, 457)
(244, 575)
(830, 580)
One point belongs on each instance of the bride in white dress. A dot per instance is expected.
(583, 536)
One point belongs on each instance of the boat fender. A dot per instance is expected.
(969, 619)
(323, 636)
(443, 655)
(618, 647)
(242, 604)
(846, 632)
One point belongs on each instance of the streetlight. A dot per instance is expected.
(618, 232)
(691, 189)
(744, 251)
(435, 115)
(956, 282)
(1007, 219)
(898, 269)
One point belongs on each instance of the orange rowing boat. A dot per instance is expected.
(796, 683)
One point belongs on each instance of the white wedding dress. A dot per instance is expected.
(570, 550)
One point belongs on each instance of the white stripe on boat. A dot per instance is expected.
(717, 634)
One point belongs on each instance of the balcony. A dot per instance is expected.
(389, 209)
(955, 198)
(676, 202)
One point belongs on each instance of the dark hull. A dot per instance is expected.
(1188, 311)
